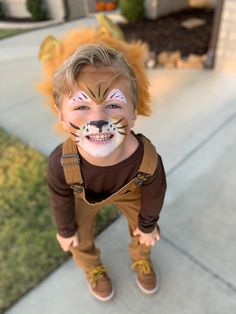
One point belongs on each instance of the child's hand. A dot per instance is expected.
(147, 238)
(67, 243)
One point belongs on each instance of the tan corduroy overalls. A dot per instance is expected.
(127, 200)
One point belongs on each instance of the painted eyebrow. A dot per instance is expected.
(116, 94)
(80, 96)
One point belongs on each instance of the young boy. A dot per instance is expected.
(103, 162)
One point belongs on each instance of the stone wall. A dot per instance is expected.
(226, 46)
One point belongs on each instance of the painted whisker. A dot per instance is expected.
(122, 127)
(118, 121)
(122, 133)
(74, 134)
(74, 126)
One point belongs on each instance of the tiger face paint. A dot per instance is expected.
(101, 137)
(100, 113)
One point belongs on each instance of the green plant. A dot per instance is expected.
(1, 10)
(28, 248)
(4, 33)
(37, 9)
(133, 10)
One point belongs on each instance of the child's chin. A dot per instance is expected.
(99, 150)
(100, 153)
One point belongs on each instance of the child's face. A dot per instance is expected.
(100, 113)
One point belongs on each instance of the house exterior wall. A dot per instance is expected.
(168, 6)
(157, 8)
(79, 8)
(202, 3)
(76, 9)
(15, 8)
(226, 45)
(55, 9)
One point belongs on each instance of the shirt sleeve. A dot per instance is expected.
(152, 198)
(61, 196)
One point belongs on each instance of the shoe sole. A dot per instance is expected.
(108, 298)
(145, 290)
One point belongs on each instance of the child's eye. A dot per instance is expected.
(81, 108)
(112, 106)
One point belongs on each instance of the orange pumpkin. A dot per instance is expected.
(110, 6)
(100, 6)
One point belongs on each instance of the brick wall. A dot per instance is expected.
(226, 46)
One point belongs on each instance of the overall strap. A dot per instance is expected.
(149, 162)
(70, 162)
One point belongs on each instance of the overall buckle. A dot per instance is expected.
(141, 177)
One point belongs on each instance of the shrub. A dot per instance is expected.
(133, 10)
(37, 9)
(1, 10)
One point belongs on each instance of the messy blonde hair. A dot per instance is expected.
(66, 76)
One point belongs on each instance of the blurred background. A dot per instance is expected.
(191, 64)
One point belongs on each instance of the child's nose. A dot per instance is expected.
(99, 124)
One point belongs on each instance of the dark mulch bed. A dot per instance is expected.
(167, 34)
(18, 19)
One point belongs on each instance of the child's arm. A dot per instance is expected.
(148, 239)
(62, 202)
(67, 243)
(152, 197)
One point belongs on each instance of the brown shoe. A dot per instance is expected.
(100, 284)
(145, 276)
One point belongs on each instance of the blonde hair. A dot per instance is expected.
(66, 76)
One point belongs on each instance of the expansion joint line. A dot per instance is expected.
(199, 264)
(170, 172)
(201, 144)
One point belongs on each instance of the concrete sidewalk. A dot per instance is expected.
(193, 127)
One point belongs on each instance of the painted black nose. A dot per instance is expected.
(99, 124)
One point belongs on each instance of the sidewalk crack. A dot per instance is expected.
(201, 144)
(201, 265)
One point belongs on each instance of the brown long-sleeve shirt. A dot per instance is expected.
(100, 183)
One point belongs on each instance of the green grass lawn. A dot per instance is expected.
(28, 247)
(10, 32)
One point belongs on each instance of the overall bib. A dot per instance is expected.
(127, 199)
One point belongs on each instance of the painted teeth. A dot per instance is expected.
(100, 137)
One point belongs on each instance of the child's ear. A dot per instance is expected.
(60, 118)
(133, 119)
